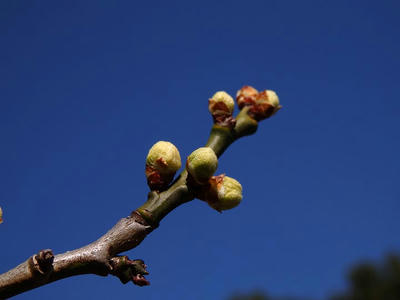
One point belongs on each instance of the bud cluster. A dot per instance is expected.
(220, 192)
(261, 105)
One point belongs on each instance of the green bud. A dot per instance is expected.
(162, 162)
(202, 164)
(164, 157)
(225, 193)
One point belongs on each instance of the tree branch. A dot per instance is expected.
(101, 257)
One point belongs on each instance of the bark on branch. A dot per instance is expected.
(99, 257)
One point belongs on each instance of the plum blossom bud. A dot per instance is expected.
(221, 107)
(162, 162)
(221, 101)
(266, 104)
(261, 105)
(1, 215)
(201, 164)
(246, 96)
(224, 193)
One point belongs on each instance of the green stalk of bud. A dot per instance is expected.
(245, 124)
(201, 164)
(221, 107)
(223, 193)
(162, 162)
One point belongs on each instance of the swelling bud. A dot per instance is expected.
(221, 107)
(201, 164)
(162, 162)
(224, 193)
(246, 96)
(221, 101)
(261, 105)
(266, 104)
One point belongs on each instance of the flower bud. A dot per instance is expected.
(261, 105)
(246, 96)
(221, 107)
(162, 162)
(268, 97)
(1, 215)
(225, 193)
(221, 101)
(202, 164)
(267, 104)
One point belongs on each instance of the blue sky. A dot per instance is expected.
(86, 88)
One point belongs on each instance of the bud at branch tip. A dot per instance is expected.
(261, 105)
(221, 106)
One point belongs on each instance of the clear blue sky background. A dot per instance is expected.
(86, 88)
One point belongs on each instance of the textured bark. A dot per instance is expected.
(95, 258)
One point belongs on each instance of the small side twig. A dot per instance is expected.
(42, 262)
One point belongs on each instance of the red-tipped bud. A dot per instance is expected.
(266, 104)
(221, 107)
(246, 96)
(261, 105)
